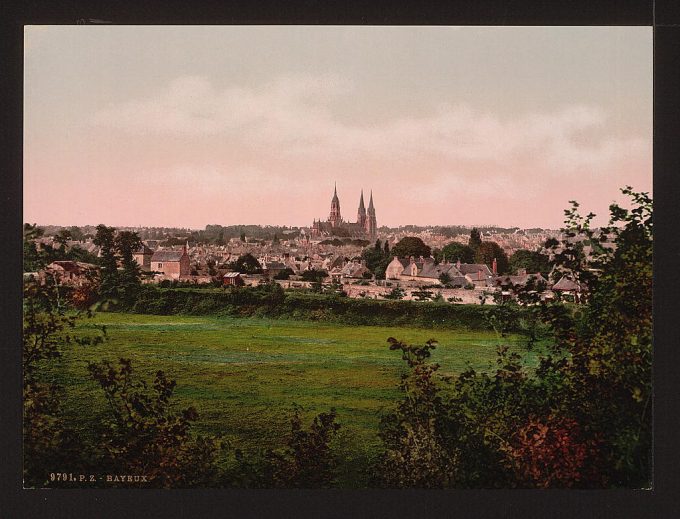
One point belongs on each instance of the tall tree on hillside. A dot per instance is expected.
(63, 236)
(33, 259)
(475, 238)
(411, 246)
(386, 248)
(531, 261)
(490, 250)
(247, 264)
(76, 233)
(129, 279)
(378, 246)
(457, 251)
(105, 238)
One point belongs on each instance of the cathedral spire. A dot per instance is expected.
(371, 209)
(335, 218)
(361, 213)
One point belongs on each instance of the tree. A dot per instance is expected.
(48, 441)
(243, 236)
(444, 278)
(105, 239)
(490, 250)
(395, 293)
(129, 279)
(457, 251)
(307, 461)
(33, 259)
(63, 236)
(411, 246)
(378, 246)
(284, 274)
(275, 241)
(314, 275)
(475, 239)
(386, 249)
(531, 261)
(76, 233)
(547, 429)
(416, 451)
(247, 264)
(142, 434)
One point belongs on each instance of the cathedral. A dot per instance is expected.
(365, 227)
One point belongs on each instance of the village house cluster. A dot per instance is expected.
(202, 263)
(335, 247)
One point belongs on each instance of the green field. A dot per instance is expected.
(244, 375)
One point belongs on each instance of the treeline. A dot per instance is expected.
(272, 301)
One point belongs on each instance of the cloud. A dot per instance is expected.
(291, 124)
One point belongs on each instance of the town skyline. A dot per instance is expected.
(251, 125)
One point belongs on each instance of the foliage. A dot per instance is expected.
(550, 429)
(422, 294)
(395, 293)
(307, 461)
(48, 440)
(531, 261)
(314, 275)
(416, 451)
(475, 239)
(246, 264)
(129, 279)
(143, 436)
(411, 246)
(487, 251)
(37, 257)
(33, 260)
(456, 251)
(284, 274)
(106, 240)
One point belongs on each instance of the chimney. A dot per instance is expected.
(494, 267)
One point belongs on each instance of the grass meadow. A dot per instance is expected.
(244, 375)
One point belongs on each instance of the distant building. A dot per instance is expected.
(73, 273)
(173, 264)
(143, 257)
(425, 270)
(366, 225)
(232, 279)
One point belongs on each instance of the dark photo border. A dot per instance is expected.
(662, 501)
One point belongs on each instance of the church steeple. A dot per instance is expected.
(361, 213)
(334, 218)
(371, 224)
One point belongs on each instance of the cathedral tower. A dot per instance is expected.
(361, 214)
(335, 219)
(371, 224)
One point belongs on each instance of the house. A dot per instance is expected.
(434, 272)
(414, 267)
(477, 274)
(143, 257)
(232, 279)
(170, 263)
(272, 268)
(354, 270)
(73, 273)
(569, 288)
(396, 267)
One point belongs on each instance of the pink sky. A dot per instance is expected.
(123, 133)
